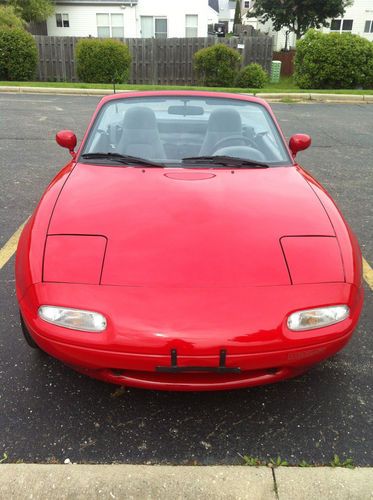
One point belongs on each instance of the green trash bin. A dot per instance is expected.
(276, 71)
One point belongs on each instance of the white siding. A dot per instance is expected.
(360, 12)
(279, 37)
(226, 13)
(82, 18)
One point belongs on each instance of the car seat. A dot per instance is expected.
(222, 123)
(140, 136)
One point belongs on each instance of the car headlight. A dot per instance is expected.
(317, 318)
(75, 319)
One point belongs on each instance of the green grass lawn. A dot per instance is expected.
(286, 85)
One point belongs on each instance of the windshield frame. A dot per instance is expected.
(180, 95)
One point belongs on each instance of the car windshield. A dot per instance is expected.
(184, 131)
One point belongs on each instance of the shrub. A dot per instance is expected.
(252, 76)
(217, 66)
(333, 61)
(102, 61)
(9, 18)
(18, 54)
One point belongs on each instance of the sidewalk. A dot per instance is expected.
(78, 482)
(271, 97)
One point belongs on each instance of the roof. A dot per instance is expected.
(214, 4)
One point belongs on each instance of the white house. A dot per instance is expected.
(358, 19)
(227, 10)
(132, 18)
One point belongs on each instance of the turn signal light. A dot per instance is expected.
(75, 319)
(317, 318)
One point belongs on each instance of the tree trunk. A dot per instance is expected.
(299, 34)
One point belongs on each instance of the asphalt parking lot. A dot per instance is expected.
(49, 413)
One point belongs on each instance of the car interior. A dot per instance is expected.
(186, 131)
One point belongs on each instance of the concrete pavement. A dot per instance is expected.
(43, 482)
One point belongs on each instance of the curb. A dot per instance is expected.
(55, 90)
(272, 97)
(43, 482)
(317, 98)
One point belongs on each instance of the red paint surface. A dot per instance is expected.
(299, 142)
(66, 139)
(313, 259)
(193, 266)
(145, 323)
(74, 259)
(223, 231)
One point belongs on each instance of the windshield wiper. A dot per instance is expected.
(125, 159)
(225, 161)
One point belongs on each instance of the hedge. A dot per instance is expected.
(18, 55)
(9, 18)
(252, 76)
(102, 61)
(333, 61)
(217, 66)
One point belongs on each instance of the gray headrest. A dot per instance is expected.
(139, 117)
(224, 120)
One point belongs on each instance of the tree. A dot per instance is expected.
(298, 16)
(9, 18)
(237, 13)
(31, 10)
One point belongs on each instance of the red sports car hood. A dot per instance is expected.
(186, 227)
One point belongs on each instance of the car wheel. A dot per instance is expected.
(30, 341)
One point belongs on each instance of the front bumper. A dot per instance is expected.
(144, 326)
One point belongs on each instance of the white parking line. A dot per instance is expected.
(10, 246)
(368, 273)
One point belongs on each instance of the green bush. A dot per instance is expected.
(252, 76)
(217, 66)
(9, 18)
(333, 61)
(102, 61)
(18, 54)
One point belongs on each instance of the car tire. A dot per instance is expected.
(26, 334)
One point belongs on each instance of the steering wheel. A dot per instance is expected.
(222, 143)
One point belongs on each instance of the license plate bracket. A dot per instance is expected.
(222, 368)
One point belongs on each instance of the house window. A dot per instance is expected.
(117, 30)
(153, 27)
(191, 26)
(347, 24)
(103, 25)
(247, 4)
(110, 25)
(160, 27)
(341, 25)
(336, 25)
(62, 21)
(368, 27)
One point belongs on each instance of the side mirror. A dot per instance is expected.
(67, 139)
(299, 142)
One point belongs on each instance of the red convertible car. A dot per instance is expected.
(183, 248)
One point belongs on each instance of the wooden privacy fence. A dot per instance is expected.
(287, 59)
(167, 61)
